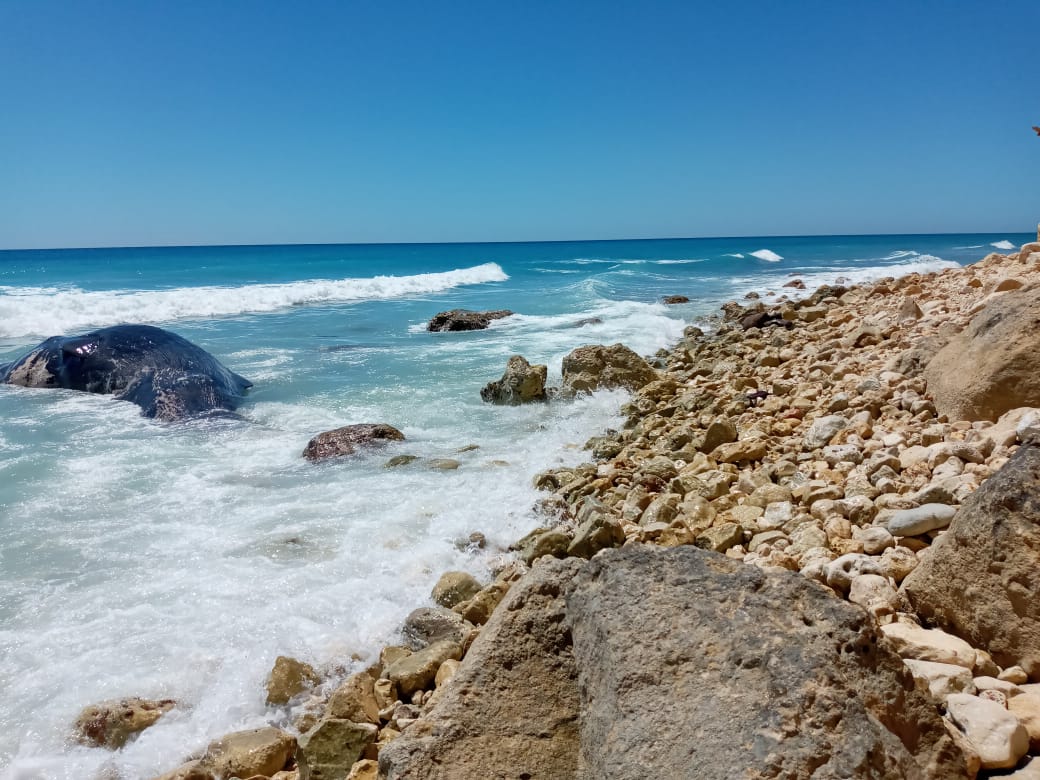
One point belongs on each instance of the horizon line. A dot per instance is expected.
(482, 243)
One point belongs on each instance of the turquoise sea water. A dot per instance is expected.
(178, 561)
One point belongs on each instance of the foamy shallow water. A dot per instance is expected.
(178, 561)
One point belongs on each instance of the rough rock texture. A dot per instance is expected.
(289, 678)
(240, 754)
(512, 706)
(979, 581)
(330, 748)
(454, 587)
(696, 665)
(594, 366)
(112, 724)
(521, 383)
(994, 364)
(346, 440)
(463, 319)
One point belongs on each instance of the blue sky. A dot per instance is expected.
(140, 123)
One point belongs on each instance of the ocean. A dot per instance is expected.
(179, 560)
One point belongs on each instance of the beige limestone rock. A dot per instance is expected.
(417, 671)
(993, 365)
(512, 706)
(453, 587)
(593, 367)
(330, 749)
(1026, 707)
(979, 579)
(521, 383)
(355, 700)
(366, 769)
(924, 644)
(289, 678)
(111, 724)
(875, 594)
(261, 751)
(941, 679)
(996, 733)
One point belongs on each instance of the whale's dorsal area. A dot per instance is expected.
(166, 375)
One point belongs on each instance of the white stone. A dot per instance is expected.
(875, 594)
(920, 520)
(929, 644)
(823, 430)
(942, 679)
(875, 539)
(840, 572)
(986, 683)
(998, 736)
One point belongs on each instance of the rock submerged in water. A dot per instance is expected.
(672, 300)
(347, 440)
(521, 383)
(464, 319)
(111, 724)
(594, 367)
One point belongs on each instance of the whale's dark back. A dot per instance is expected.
(167, 375)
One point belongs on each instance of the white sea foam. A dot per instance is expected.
(49, 311)
(1005, 245)
(973, 246)
(679, 262)
(735, 254)
(768, 255)
(921, 264)
(900, 254)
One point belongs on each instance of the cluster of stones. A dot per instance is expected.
(838, 436)
(827, 436)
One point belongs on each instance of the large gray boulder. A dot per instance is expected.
(979, 580)
(521, 383)
(595, 366)
(511, 709)
(694, 665)
(993, 365)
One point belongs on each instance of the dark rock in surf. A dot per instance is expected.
(166, 375)
(463, 319)
(671, 300)
(521, 383)
(347, 440)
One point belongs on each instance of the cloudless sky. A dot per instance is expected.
(185, 122)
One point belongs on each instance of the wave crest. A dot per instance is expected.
(40, 311)
(768, 255)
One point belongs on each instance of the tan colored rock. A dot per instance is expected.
(1026, 708)
(875, 594)
(521, 383)
(941, 679)
(366, 769)
(289, 678)
(978, 580)
(924, 644)
(996, 733)
(246, 753)
(453, 587)
(512, 707)
(355, 700)
(740, 451)
(330, 749)
(993, 365)
(111, 724)
(593, 367)
(418, 670)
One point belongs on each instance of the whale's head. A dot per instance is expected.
(74, 363)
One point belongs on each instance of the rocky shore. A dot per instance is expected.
(810, 552)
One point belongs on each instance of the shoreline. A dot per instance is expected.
(630, 462)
